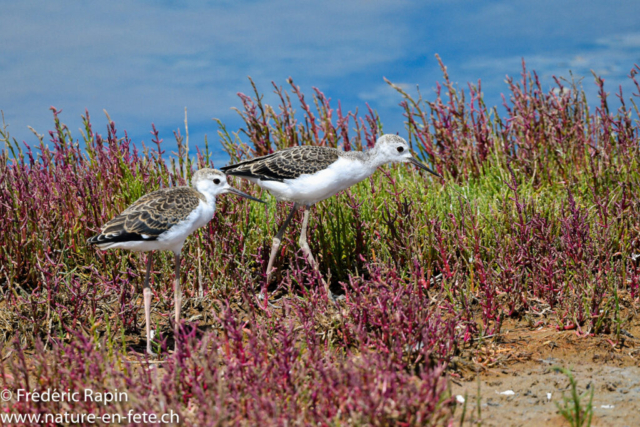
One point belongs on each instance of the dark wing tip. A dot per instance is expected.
(235, 170)
(120, 237)
(100, 238)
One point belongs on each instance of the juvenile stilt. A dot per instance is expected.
(162, 220)
(147, 303)
(308, 174)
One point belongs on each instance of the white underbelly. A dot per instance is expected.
(179, 232)
(309, 189)
(173, 239)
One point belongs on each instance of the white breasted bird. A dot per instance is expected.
(162, 220)
(306, 175)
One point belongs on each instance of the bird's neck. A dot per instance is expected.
(211, 199)
(374, 158)
(207, 191)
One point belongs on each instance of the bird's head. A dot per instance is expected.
(214, 182)
(394, 149)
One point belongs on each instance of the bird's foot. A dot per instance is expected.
(335, 298)
(262, 296)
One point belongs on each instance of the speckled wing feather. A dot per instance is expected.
(150, 216)
(289, 163)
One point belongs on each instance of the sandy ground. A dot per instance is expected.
(521, 365)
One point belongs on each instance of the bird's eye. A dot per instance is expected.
(400, 149)
(216, 181)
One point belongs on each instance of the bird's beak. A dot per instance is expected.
(245, 195)
(421, 166)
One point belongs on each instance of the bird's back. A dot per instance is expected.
(289, 163)
(149, 218)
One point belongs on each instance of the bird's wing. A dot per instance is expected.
(150, 216)
(289, 163)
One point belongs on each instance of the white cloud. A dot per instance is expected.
(611, 58)
(621, 41)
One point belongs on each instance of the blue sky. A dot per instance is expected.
(145, 61)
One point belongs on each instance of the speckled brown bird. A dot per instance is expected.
(306, 175)
(163, 220)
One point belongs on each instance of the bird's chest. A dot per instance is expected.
(203, 215)
(339, 176)
(199, 217)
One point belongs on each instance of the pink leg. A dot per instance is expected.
(177, 296)
(307, 250)
(277, 240)
(147, 303)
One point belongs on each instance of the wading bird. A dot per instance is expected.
(306, 175)
(162, 220)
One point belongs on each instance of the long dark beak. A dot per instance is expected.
(245, 195)
(421, 166)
